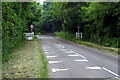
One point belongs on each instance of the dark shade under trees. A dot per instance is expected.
(99, 21)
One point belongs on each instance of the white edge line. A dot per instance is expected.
(50, 62)
(51, 56)
(55, 70)
(110, 71)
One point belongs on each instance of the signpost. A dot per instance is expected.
(78, 34)
(30, 36)
(31, 26)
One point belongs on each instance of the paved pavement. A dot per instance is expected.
(69, 60)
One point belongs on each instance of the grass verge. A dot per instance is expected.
(0, 58)
(28, 62)
(44, 67)
(71, 37)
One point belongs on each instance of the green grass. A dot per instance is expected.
(44, 67)
(71, 37)
(8, 56)
(28, 62)
(0, 59)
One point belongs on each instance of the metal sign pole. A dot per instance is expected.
(78, 32)
(31, 26)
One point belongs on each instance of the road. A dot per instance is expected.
(69, 60)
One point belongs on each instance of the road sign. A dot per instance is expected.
(31, 26)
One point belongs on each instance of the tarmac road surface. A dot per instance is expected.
(69, 60)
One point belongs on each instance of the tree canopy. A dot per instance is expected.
(99, 22)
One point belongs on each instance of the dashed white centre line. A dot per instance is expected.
(55, 70)
(51, 62)
(110, 71)
(95, 67)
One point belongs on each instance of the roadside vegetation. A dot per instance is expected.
(16, 19)
(28, 62)
(21, 58)
(71, 37)
(0, 58)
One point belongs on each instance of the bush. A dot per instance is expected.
(15, 21)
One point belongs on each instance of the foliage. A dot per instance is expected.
(71, 37)
(98, 21)
(15, 21)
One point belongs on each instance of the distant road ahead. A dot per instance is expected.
(69, 60)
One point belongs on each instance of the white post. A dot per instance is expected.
(81, 35)
(76, 35)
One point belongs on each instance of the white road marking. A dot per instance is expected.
(82, 60)
(51, 56)
(60, 45)
(95, 67)
(68, 52)
(117, 78)
(50, 62)
(55, 70)
(72, 55)
(64, 49)
(80, 55)
(110, 71)
(44, 47)
(51, 37)
(57, 37)
(45, 50)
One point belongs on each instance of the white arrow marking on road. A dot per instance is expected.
(72, 55)
(51, 56)
(55, 70)
(95, 67)
(110, 71)
(50, 62)
(82, 60)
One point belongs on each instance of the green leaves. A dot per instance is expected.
(99, 21)
(16, 20)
